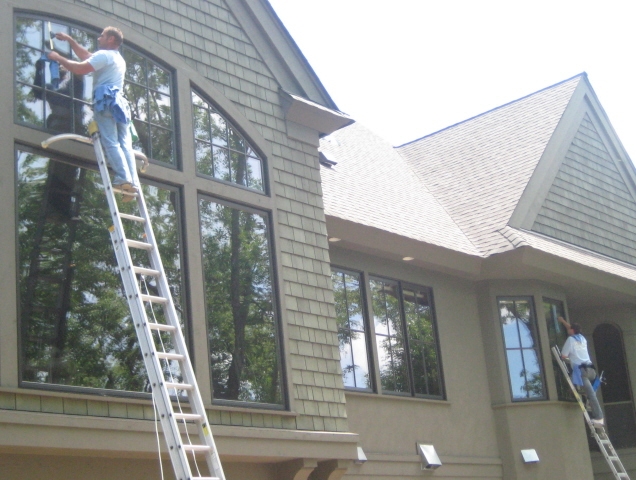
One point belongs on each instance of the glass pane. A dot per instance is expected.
(58, 113)
(387, 377)
(511, 332)
(237, 168)
(162, 147)
(30, 108)
(361, 361)
(29, 32)
(255, 173)
(28, 62)
(204, 158)
(346, 363)
(76, 323)
(135, 67)
(534, 380)
(219, 129)
(236, 141)
(160, 110)
(159, 79)
(85, 39)
(242, 325)
(198, 101)
(221, 164)
(525, 333)
(354, 302)
(201, 123)
(517, 375)
(84, 114)
(378, 297)
(137, 99)
(62, 47)
(143, 142)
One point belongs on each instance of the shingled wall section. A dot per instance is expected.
(206, 35)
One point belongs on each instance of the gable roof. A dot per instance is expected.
(372, 185)
(478, 169)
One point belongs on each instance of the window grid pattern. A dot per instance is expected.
(63, 104)
(525, 370)
(221, 151)
(406, 339)
(352, 337)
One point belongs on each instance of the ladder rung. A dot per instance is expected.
(146, 271)
(178, 386)
(134, 218)
(170, 356)
(187, 416)
(140, 245)
(161, 326)
(197, 448)
(153, 299)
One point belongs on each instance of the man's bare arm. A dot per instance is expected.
(78, 68)
(80, 51)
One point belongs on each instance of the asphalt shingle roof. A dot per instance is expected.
(373, 185)
(479, 168)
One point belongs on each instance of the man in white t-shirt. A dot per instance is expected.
(583, 371)
(110, 108)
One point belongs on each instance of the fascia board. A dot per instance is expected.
(540, 182)
(279, 50)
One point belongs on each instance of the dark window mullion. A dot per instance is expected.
(407, 348)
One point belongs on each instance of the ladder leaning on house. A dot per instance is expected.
(160, 364)
(598, 432)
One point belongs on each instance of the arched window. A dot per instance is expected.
(617, 396)
(52, 99)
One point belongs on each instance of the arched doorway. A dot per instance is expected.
(617, 397)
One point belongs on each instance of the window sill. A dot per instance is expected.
(395, 397)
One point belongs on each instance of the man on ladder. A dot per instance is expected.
(110, 110)
(583, 371)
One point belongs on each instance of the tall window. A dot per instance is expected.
(352, 336)
(553, 309)
(522, 348)
(406, 339)
(221, 151)
(75, 327)
(240, 307)
(53, 99)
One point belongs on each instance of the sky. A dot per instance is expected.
(407, 68)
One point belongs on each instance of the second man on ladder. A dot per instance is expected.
(583, 371)
(110, 109)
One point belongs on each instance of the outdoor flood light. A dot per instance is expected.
(530, 456)
(430, 460)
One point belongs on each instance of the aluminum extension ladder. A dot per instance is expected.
(173, 423)
(598, 432)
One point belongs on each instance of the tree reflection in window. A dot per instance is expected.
(522, 349)
(352, 338)
(221, 151)
(406, 339)
(553, 309)
(65, 105)
(241, 319)
(74, 319)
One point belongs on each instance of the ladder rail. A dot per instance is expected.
(170, 420)
(604, 443)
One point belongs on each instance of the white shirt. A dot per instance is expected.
(110, 68)
(575, 348)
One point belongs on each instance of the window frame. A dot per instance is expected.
(174, 94)
(368, 332)
(276, 307)
(537, 346)
(194, 90)
(411, 393)
(184, 281)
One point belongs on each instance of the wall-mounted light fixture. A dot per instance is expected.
(530, 456)
(430, 460)
(334, 239)
(361, 457)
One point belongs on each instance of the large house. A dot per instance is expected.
(352, 309)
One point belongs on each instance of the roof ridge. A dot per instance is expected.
(582, 75)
